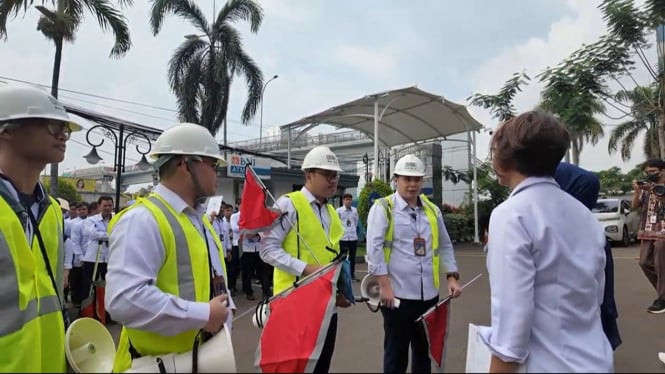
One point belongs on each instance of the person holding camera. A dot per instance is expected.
(650, 196)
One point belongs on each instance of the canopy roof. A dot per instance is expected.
(406, 115)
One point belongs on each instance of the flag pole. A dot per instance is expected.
(299, 282)
(265, 189)
(445, 299)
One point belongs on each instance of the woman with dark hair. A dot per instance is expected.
(545, 258)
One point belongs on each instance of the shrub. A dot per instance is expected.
(377, 188)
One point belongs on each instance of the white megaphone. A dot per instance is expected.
(214, 356)
(89, 347)
(261, 314)
(369, 290)
(661, 357)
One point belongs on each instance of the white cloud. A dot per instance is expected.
(583, 26)
(367, 60)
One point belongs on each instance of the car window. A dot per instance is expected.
(606, 206)
(626, 206)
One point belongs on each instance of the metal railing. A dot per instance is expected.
(281, 142)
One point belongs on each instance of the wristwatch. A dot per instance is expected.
(454, 275)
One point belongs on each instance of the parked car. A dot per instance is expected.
(620, 222)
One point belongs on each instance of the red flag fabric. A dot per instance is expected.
(255, 216)
(436, 329)
(293, 337)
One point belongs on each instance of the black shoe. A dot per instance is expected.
(251, 297)
(657, 307)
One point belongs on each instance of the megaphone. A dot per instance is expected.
(214, 356)
(661, 357)
(261, 314)
(369, 290)
(89, 347)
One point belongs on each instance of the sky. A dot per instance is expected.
(325, 53)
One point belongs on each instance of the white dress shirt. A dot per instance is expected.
(272, 252)
(235, 228)
(80, 238)
(97, 234)
(349, 217)
(546, 263)
(135, 257)
(250, 243)
(223, 229)
(71, 258)
(410, 275)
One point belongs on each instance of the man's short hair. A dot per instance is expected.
(347, 196)
(654, 163)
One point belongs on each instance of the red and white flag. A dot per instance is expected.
(255, 215)
(436, 329)
(293, 337)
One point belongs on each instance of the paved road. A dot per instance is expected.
(360, 333)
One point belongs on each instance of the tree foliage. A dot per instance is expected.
(202, 69)
(643, 120)
(501, 104)
(379, 187)
(66, 190)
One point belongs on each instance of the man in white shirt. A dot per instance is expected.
(419, 240)
(320, 229)
(166, 281)
(79, 242)
(250, 260)
(349, 243)
(222, 225)
(97, 247)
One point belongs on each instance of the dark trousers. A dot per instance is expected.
(350, 247)
(323, 365)
(251, 261)
(401, 330)
(75, 292)
(87, 276)
(233, 267)
(652, 262)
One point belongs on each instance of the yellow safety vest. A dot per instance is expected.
(185, 273)
(312, 232)
(32, 331)
(431, 212)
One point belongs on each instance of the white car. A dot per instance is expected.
(620, 222)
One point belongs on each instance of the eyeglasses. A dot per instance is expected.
(329, 175)
(56, 128)
(213, 163)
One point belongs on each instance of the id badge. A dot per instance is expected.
(348, 222)
(419, 246)
(653, 219)
(219, 287)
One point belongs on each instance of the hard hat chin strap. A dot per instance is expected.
(200, 196)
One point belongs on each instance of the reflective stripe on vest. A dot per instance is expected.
(312, 233)
(29, 306)
(184, 273)
(431, 213)
(186, 288)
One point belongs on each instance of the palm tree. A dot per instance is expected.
(60, 25)
(202, 68)
(645, 117)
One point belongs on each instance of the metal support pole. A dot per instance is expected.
(475, 191)
(288, 148)
(375, 168)
(119, 165)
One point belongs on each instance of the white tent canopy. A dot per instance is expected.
(407, 115)
(396, 117)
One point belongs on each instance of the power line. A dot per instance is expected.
(111, 99)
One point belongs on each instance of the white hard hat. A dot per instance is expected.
(409, 166)
(187, 139)
(64, 204)
(321, 157)
(22, 102)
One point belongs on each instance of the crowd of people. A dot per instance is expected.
(171, 272)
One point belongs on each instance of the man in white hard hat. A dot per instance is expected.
(166, 278)
(406, 238)
(309, 212)
(34, 129)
